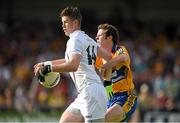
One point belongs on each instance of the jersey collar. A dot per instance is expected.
(114, 48)
(75, 33)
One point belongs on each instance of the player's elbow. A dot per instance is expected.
(74, 67)
(122, 58)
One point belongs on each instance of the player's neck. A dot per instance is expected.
(109, 48)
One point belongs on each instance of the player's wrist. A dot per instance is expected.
(46, 63)
(47, 68)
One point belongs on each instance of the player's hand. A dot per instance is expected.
(42, 68)
(37, 68)
(40, 71)
(105, 66)
(107, 72)
(45, 70)
(102, 71)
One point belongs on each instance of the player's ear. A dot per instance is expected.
(76, 22)
(109, 37)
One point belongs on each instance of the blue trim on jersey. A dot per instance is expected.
(114, 48)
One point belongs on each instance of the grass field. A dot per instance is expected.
(52, 116)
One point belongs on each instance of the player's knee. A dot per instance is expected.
(71, 117)
(96, 120)
(106, 118)
(115, 117)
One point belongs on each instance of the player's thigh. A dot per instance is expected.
(71, 116)
(95, 102)
(115, 113)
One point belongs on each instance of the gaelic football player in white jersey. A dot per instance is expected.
(80, 57)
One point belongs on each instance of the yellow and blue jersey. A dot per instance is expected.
(121, 76)
(120, 88)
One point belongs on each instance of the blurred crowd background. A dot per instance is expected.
(151, 33)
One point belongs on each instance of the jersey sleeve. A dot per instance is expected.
(122, 50)
(76, 46)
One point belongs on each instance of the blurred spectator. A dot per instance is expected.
(21, 102)
(145, 99)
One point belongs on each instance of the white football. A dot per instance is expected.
(51, 79)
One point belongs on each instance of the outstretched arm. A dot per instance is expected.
(58, 61)
(121, 58)
(60, 65)
(103, 54)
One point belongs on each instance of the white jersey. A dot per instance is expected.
(82, 44)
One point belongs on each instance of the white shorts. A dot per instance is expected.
(91, 102)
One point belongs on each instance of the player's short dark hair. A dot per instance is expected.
(72, 12)
(111, 31)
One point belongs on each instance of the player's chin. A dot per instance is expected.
(66, 33)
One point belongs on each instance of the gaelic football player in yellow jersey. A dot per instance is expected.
(118, 78)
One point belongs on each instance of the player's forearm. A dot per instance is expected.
(113, 62)
(58, 61)
(64, 67)
(101, 52)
